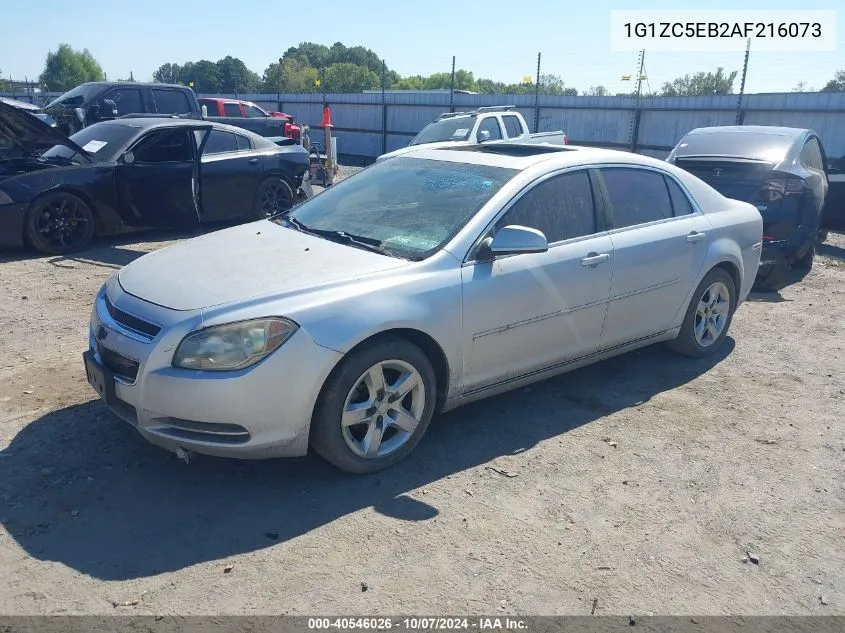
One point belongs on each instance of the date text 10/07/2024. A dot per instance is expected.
(418, 624)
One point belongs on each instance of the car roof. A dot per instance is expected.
(148, 123)
(150, 84)
(775, 130)
(522, 156)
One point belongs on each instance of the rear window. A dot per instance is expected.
(171, 101)
(455, 129)
(219, 142)
(731, 143)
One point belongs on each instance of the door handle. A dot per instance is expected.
(253, 161)
(594, 259)
(695, 236)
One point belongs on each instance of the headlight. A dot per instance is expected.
(5, 198)
(234, 345)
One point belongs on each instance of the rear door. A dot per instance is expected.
(513, 126)
(659, 245)
(128, 100)
(156, 180)
(230, 170)
(171, 101)
(833, 217)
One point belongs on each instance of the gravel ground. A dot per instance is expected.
(642, 482)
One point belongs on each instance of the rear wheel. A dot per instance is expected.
(375, 408)
(708, 316)
(274, 196)
(805, 262)
(59, 223)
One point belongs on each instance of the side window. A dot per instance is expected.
(811, 155)
(232, 109)
(561, 207)
(491, 124)
(243, 142)
(253, 113)
(680, 202)
(128, 100)
(171, 101)
(220, 142)
(165, 147)
(636, 196)
(211, 106)
(512, 125)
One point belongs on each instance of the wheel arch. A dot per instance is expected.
(425, 342)
(99, 226)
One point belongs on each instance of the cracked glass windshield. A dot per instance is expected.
(410, 207)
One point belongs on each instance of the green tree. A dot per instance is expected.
(66, 68)
(168, 73)
(236, 77)
(344, 77)
(837, 84)
(597, 91)
(204, 74)
(292, 76)
(702, 83)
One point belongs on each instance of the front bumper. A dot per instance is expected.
(260, 412)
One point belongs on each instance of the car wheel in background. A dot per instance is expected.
(59, 223)
(805, 262)
(274, 196)
(375, 407)
(708, 316)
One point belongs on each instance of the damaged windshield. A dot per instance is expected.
(407, 207)
(76, 97)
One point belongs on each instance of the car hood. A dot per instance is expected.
(30, 133)
(246, 261)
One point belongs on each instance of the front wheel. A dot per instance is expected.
(59, 223)
(708, 316)
(805, 262)
(375, 407)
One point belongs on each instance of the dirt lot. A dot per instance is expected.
(640, 482)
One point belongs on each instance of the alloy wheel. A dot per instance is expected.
(63, 223)
(383, 409)
(275, 199)
(711, 314)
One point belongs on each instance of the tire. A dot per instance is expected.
(350, 387)
(59, 223)
(688, 342)
(805, 262)
(821, 238)
(274, 195)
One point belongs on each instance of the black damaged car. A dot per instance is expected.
(58, 192)
(780, 170)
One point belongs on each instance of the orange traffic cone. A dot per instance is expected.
(327, 117)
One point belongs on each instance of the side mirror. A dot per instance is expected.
(515, 240)
(482, 136)
(129, 158)
(107, 109)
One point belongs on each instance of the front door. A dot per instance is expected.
(157, 180)
(523, 313)
(659, 245)
(230, 171)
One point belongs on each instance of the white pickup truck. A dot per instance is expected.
(484, 125)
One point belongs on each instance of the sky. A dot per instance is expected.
(496, 39)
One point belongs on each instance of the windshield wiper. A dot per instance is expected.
(361, 241)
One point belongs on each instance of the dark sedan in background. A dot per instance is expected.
(780, 170)
(56, 193)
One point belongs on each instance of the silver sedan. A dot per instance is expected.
(420, 284)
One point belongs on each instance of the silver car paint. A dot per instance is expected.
(548, 317)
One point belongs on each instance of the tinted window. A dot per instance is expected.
(231, 109)
(412, 206)
(732, 142)
(451, 129)
(253, 113)
(636, 196)
(220, 142)
(561, 207)
(512, 125)
(680, 203)
(171, 101)
(102, 141)
(211, 106)
(163, 147)
(128, 100)
(243, 142)
(491, 124)
(811, 155)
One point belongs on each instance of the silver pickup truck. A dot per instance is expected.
(484, 125)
